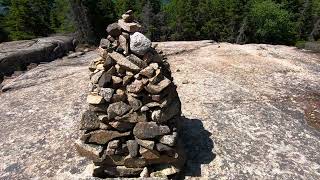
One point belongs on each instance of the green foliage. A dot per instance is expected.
(28, 19)
(61, 17)
(271, 23)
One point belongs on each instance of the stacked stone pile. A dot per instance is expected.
(130, 128)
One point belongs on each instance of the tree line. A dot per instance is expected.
(236, 21)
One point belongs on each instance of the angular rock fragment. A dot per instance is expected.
(130, 27)
(89, 150)
(135, 162)
(118, 171)
(169, 140)
(105, 80)
(121, 126)
(134, 117)
(149, 154)
(95, 99)
(117, 109)
(124, 43)
(95, 78)
(114, 30)
(133, 148)
(148, 130)
(146, 143)
(103, 136)
(89, 121)
(148, 72)
(164, 170)
(135, 87)
(134, 103)
(157, 88)
(137, 61)
(124, 62)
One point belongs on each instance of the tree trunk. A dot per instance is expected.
(82, 22)
(315, 33)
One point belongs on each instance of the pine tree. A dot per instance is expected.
(28, 19)
(61, 17)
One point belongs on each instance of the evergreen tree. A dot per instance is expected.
(61, 17)
(28, 19)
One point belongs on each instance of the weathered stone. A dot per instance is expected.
(156, 89)
(95, 99)
(98, 107)
(156, 97)
(110, 38)
(107, 160)
(133, 148)
(169, 140)
(164, 148)
(114, 30)
(112, 146)
(122, 126)
(144, 173)
(133, 117)
(104, 126)
(124, 43)
(135, 162)
(127, 80)
(148, 72)
(135, 87)
(112, 70)
(118, 171)
(119, 69)
(116, 80)
(95, 78)
(104, 43)
(153, 104)
(144, 109)
(105, 79)
(122, 150)
(120, 95)
(152, 56)
(129, 27)
(124, 62)
(164, 170)
(89, 121)
(102, 136)
(146, 143)
(149, 154)
(127, 18)
(134, 103)
(108, 63)
(163, 115)
(100, 67)
(139, 43)
(89, 151)
(137, 61)
(92, 66)
(148, 130)
(157, 78)
(106, 93)
(117, 109)
(84, 137)
(102, 52)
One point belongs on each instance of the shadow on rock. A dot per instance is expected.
(198, 146)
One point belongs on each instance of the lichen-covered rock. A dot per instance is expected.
(139, 43)
(89, 121)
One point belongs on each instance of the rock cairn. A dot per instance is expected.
(130, 128)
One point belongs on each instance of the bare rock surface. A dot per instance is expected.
(248, 113)
(17, 55)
